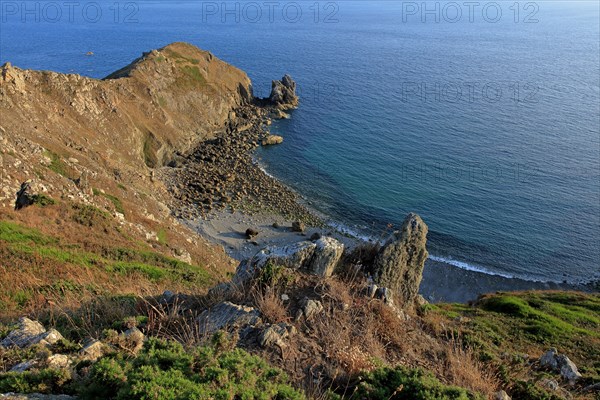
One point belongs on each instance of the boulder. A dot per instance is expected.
(227, 315)
(399, 264)
(92, 351)
(134, 339)
(36, 396)
(328, 253)
(275, 335)
(298, 226)
(24, 366)
(315, 236)
(59, 361)
(309, 308)
(283, 93)
(560, 363)
(272, 140)
(318, 258)
(501, 395)
(27, 334)
(28, 194)
(251, 232)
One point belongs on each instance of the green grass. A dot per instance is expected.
(162, 236)
(113, 199)
(57, 164)
(520, 323)
(29, 243)
(163, 370)
(410, 384)
(193, 74)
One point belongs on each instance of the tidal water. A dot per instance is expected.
(483, 117)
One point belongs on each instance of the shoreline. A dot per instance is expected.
(220, 190)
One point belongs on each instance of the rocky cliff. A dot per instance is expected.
(164, 102)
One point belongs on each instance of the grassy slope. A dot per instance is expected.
(510, 331)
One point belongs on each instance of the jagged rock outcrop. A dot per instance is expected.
(317, 258)
(399, 264)
(283, 93)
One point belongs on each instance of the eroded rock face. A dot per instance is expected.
(283, 93)
(160, 104)
(399, 264)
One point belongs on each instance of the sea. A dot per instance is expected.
(483, 116)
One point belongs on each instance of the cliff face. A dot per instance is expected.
(164, 102)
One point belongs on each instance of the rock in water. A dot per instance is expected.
(399, 264)
(271, 140)
(283, 93)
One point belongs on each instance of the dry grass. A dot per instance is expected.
(270, 305)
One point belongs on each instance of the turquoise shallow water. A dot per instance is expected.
(489, 130)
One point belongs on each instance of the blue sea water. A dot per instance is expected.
(486, 122)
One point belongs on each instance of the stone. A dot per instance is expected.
(272, 140)
(27, 334)
(501, 395)
(560, 363)
(372, 290)
(51, 337)
(568, 369)
(310, 307)
(59, 361)
(328, 253)
(227, 315)
(296, 256)
(548, 359)
(315, 236)
(134, 339)
(275, 335)
(251, 232)
(92, 351)
(386, 295)
(399, 264)
(28, 194)
(24, 366)
(298, 226)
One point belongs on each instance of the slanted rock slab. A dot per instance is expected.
(227, 315)
(27, 334)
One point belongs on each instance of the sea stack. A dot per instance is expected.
(399, 264)
(283, 93)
